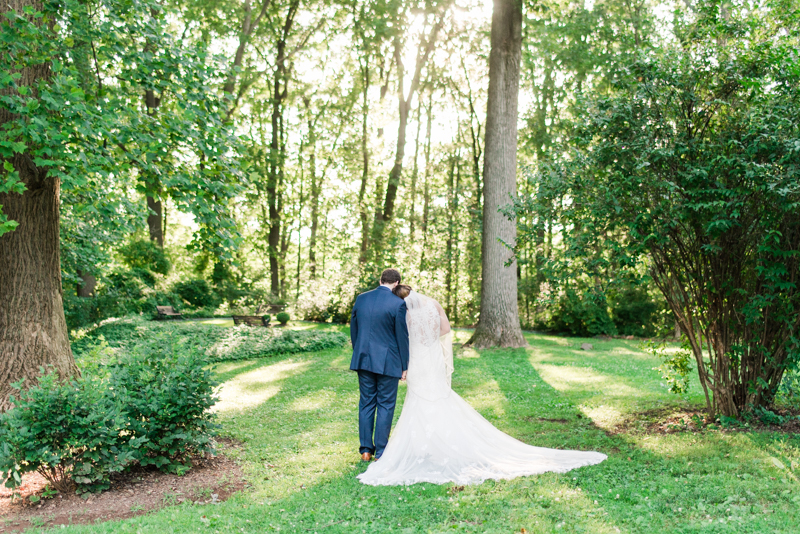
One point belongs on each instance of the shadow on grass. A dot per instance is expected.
(300, 455)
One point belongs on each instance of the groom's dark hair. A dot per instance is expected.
(390, 276)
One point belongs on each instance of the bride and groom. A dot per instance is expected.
(399, 334)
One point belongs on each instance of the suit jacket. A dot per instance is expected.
(379, 333)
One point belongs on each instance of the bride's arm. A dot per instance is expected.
(444, 323)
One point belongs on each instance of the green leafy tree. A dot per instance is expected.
(70, 118)
(693, 162)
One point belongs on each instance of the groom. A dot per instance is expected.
(379, 335)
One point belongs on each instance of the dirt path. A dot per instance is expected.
(211, 479)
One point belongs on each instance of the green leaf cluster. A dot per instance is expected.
(217, 343)
(690, 166)
(148, 407)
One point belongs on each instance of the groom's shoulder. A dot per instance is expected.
(366, 295)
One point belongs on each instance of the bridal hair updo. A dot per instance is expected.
(402, 290)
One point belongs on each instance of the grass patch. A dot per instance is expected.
(297, 414)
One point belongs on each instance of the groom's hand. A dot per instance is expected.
(403, 378)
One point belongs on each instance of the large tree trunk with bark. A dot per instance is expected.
(33, 331)
(499, 319)
(154, 220)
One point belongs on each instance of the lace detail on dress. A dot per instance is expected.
(424, 324)
(428, 370)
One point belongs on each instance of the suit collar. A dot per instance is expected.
(384, 287)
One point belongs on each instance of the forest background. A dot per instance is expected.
(301, 105)
(220, 156)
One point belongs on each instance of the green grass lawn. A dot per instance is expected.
(298, 414)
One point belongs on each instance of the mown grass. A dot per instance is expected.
(296, 417)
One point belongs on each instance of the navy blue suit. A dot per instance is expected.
(379, 335)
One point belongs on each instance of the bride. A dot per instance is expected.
(439, 437)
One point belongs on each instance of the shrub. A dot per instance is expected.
(197, 292)
(321, 304)
(789, 389)
(633, 312)
(165, 392)
(219, 344)
(149, 407)
(66, 431)
(283, 317)
(144, 254)
(583, 315)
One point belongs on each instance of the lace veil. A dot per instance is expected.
(424, 328)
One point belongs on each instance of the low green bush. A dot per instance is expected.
(217, 343)
(197, 293)
(147, 407)
(68, 432)
(633, 312)
(164, 392)
(283, 317)
(583, 314)
(789, 390)
(145, 255)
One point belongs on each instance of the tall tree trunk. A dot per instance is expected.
(456, 243)
(448, 277)
(277, 155)
(152, 182)
(498, 324)
(474, 244)
(249, 25)
(365, 74)
(315, 191)
(412, 214)
(155, 218)
(33, 330)
(85, 288)
(426, 193)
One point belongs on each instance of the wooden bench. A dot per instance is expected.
(166, 312)
(251, 320)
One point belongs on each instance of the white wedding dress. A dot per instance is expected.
(439, 438)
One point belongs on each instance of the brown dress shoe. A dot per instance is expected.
(366, 456)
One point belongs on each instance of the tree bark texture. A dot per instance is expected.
(154, 220)
(498, 324)
(277, 152)
(365, 162)
(33, 330)
(87, 284)
(316, 190)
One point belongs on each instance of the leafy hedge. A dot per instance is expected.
(150, 406)
(217, 343)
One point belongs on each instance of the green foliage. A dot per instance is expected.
(147, 407)
(86, 124)
(583, 315)
(676, 365)
(789, 390)
(768, 417)
(322, 304)
(690, 166)
(283, 317)
(633, 312)
(197, 292)
(67, 431)
(145, 255)
(122, 295)
(165, 392)
(217, 343)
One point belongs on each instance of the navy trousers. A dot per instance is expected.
(378, 396)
